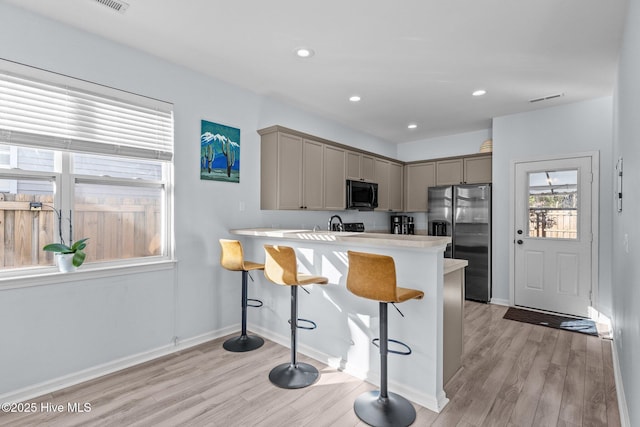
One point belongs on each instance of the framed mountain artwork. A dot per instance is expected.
(219, 152)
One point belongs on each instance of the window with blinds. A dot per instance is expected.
(97, 160)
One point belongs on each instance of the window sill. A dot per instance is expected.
(51, 276)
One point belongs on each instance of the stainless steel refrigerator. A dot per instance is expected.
(464, 213)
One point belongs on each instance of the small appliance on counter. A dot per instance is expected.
(402, 224)
(353, 227)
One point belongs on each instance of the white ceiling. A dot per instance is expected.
(410, 60)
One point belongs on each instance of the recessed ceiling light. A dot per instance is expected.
(304, 52)
(354, 98)
(479, 92)
(412, 126)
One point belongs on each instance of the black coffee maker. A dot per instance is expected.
(410, 226)
(396, 224)
(402, 224)
(438, 228)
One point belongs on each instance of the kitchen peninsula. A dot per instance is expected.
(347, 323)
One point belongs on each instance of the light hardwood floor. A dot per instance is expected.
(514, 374)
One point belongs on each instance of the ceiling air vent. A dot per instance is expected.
(546, 98)
(116, 5)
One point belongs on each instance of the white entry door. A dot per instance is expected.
(553, 235)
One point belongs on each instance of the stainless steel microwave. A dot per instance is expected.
(362, 195)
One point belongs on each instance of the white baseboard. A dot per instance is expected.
(499, 301)
(622, 400)
(433, 403)
(59, 383)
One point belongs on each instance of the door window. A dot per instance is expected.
(553, 204)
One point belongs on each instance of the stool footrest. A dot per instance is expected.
(376, 342)
(255, 303)
(312, 324)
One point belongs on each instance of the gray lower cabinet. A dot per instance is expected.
(453, 323)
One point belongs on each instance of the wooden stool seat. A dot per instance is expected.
(405, 294)
(281, 268)
(373, 277)
(250, 266)
(232, 258)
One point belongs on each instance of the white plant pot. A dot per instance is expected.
(65, 263)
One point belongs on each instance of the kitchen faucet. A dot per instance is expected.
(338, 227)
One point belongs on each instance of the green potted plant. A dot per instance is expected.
(68, 257)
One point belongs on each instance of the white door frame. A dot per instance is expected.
(595, 208)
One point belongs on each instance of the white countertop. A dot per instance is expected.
(452, 264)
(373, 239)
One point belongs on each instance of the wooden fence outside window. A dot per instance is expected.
(117, 228)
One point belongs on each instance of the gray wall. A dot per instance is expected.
(451, 145)
(626, 268)
(61, 329)
(573, 128)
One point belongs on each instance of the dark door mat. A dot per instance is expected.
(583, 326)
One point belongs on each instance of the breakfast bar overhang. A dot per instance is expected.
(347, 324)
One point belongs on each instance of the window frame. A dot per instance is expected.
(64, 180)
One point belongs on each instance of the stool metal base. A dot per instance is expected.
(392, 411)
(293, 376)
(243, 343)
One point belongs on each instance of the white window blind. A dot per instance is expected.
(62, 113)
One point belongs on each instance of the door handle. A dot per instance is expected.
(519, 231)
(519, 242)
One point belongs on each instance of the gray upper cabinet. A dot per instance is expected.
(300, 173)
(449, 172)
(477, 170)
(381, 177)
(396, 195)
(464, 170)
(418, 177)
(281, 171)
(388, 175)
(291, 170)
(334, 178)
(312, 175)
(360, 166)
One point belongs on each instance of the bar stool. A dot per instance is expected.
(232, 258)
(281, 268)
(374, 277)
